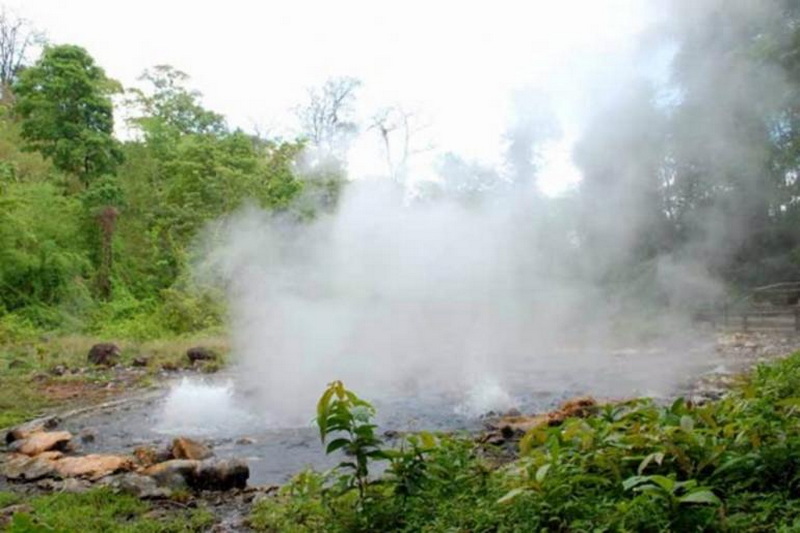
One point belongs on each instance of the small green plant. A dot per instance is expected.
(346, 417)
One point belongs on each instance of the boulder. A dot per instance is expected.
(183, 448)
(174, 473)
(220, 474)
(211, 474)
(24, 430)
(104, 354)
(515, 426)
(20, 467)
(41, 441)
(93, 466)
(148, 456)
(141, 486)
(71, 485)
(200, 353)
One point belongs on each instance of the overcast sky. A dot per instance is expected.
(455, 63)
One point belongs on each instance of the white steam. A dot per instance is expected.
(478, 303)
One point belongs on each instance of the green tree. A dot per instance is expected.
(67, 114)
(170, 109)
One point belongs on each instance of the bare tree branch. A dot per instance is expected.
(327, 116)
(17, 37)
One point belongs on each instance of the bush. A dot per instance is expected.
(730, 465)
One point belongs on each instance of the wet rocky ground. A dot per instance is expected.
(192, 433)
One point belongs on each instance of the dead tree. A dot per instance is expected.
(327, 117)
(397, 128)
(17, 37)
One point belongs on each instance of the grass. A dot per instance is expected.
(101, 510)
(29, 386)
(729, 465)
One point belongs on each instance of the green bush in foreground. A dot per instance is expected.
(729, 465)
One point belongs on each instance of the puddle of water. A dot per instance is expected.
(210, 409)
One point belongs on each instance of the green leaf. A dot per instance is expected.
(657, 457)
(633, 481)
(687, 423)
(336, 444)
(788, 402)
(541, 472)
(510, 495)
(701, 496)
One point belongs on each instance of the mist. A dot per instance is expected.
(486, 292)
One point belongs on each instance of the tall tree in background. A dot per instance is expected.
(17, 37)
(328, 128)
(67, 114)
(170, 108)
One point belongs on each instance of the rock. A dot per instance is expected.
(88, 435)
(220, 474)
(175, 473)
(93, 466)
(141, 361)
(58, 370)
(169, 367)
(71, 485)
(575, 408)
(183, 448)
(42, 441)
(246, 441)
(518, 425)
(148, 456)
(200, 353)
(493, 439)
(26, 429)
(20, 467)
(104, 354)
(141, 486)
(211, 474)
(510, 426)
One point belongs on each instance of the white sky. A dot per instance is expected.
(455, 62)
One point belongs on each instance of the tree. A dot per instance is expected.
(397, 128)
(17, 36)
(327, 117)
(67, 114)
(170, 108)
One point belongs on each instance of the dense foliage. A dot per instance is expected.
(96, 234)
(97, 228)
(729, 465)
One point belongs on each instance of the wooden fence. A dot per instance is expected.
(773, 307)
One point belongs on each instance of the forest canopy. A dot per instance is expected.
(97, 231)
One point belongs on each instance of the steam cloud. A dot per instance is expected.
(489, 301)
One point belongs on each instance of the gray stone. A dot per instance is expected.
(104, 354)
(141, 486)
(23, 468)
(200, 353)
(24, 430)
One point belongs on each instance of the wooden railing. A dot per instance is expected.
(773, 307)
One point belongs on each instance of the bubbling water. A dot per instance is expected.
(198, 408)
